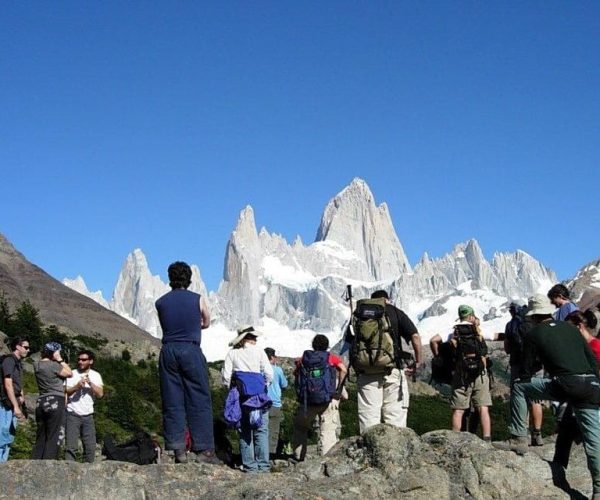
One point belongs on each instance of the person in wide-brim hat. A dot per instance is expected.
(244, 332)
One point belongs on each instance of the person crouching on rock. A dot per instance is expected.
(573, 377)
(50, 374)
(247, 369)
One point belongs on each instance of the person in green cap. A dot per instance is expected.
(470, 380)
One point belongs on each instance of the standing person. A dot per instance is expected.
(247, 365)
(383, 394)
(12, 397)
(568, 429)
(470, 380)
(514, 333)
(319, 374)
(85, 385)
(183, 373)
(274, 392)
(561, 298)
(50, 374)
(573, 377)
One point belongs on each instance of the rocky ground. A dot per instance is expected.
(385, 463)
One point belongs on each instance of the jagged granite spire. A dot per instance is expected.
(353, 220)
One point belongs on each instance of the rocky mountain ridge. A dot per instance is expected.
(301, 286)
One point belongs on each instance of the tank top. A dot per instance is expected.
(179, 316)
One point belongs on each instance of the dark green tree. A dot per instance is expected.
(27, 323)
(5, 316)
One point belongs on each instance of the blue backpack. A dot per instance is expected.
(315, 379)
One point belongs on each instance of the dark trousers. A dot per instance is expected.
(275, 419)
(50, 419)
(80, 425)
(185, 393)
(568, 433)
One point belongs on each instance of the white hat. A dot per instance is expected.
(242, 332)
(539, 304)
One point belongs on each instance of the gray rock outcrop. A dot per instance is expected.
(385, 463)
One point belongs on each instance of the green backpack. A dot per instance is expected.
(373, 345)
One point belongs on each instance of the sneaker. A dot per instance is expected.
(206, 457)
(518, 444)
(537, 439)
(181, 457)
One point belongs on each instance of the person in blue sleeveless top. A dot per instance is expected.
(184, 381)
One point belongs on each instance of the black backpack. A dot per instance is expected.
(470, 352)
(443, 365)
(316, 379)
(141, 450)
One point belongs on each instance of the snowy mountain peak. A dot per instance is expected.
(352, 220)
(78, 284)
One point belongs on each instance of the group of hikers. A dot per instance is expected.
(65, 404)
(554, 356)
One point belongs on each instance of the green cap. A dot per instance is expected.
(465, 311)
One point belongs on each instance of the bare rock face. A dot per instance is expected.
(59, 305)
(385, 463)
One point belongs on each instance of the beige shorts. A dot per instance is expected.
(476, 393)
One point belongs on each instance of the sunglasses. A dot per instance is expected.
(26, 347)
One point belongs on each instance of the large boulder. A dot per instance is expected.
(384, 463)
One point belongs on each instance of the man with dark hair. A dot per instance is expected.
(12, 398)
(572, 377)
(514, 333)
(328, 414)
(85, 385)
(184, 382)
(559, 295)
(384, 397)
(278, 383)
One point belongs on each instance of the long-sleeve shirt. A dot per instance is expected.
(249, 358)
(279, 382)
(561, 349)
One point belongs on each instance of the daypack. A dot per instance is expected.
(316, 379)
(470, 352)
(373, 346)
(443, 365)
(141, 450)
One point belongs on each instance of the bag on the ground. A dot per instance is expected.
(315, 379)
(442, 365)
(141, 450)
(470, 352)
(373, 344)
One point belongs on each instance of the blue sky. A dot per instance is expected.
(151, 125)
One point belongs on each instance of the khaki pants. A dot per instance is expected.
(382, 398)
(329, 423)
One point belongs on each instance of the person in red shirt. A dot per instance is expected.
(586, 323)
(328, 413)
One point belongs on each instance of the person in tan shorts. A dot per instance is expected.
(468, 391)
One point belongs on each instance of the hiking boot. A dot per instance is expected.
(181, 457)
(536, 438)
(518, 444)
(206, 457)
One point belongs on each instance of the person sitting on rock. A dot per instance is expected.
(470, 380)
(572, 376)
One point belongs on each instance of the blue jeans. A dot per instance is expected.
(254, 445)
(588, 418)
(185, 393)
(8, 426)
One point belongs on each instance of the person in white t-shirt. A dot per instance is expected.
(82, 388)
